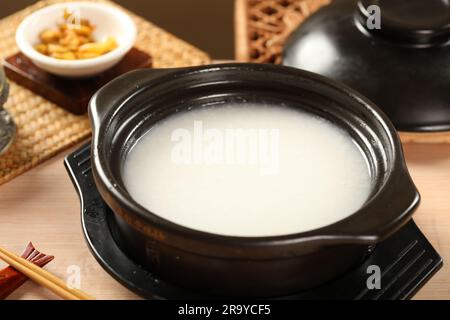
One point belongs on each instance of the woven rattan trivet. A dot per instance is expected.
(43, 128)
(262, 27)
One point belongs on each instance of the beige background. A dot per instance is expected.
(207, 24)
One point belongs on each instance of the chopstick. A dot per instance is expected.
(42, 277)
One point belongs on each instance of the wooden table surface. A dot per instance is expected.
(42, 206)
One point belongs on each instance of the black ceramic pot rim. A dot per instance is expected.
(356, 229)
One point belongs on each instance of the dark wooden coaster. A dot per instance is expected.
(70, 94)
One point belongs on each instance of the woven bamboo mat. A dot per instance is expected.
(44, 129)
(262, 27)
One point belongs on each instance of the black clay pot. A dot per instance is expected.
(400, 61)
(126, 108)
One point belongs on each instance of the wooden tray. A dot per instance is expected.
(70, 94)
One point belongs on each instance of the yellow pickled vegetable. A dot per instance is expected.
(73, 40)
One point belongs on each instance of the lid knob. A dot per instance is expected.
(416, 22)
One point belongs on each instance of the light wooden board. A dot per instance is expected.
(43, 206)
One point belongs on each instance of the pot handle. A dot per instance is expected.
(382, 217)
(118, 90)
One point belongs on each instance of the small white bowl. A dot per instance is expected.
(108, 21)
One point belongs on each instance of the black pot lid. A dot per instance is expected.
(400, 61)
